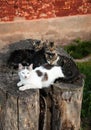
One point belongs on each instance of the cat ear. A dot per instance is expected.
(34, 43)
(51, 44)
(45, 43)
(30, 67)
(20, 66)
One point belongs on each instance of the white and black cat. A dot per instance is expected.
(39, 77)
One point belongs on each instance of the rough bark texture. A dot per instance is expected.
(58, 108)
(19, 112)
(29, 112)
(2, 109)
(66, 107)
(63, 106)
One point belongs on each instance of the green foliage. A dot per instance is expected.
(85, 68)
(79, 49)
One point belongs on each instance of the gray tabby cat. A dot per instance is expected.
(56, 57)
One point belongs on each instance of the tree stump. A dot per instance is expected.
(64, 106)
(19, 110)
(57, 107)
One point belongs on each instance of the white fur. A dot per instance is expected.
(30, 80)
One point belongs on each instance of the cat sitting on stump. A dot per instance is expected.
(41, 54)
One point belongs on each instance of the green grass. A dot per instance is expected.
(85, 68)
(79, 49)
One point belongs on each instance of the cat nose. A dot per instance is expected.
(25, 77)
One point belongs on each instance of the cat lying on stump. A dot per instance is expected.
(46, 52)
(38, 78)
(54, 57)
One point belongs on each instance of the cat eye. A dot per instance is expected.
(50, 56)
(49, 53)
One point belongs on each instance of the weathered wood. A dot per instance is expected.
(48, 114)
(28, 111)
(11, 122)
(2, 109)
(63, 106)
(60, 107)
(19, 112)
(66, 106)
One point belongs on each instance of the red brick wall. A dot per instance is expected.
(36, 9)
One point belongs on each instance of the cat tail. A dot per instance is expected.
(69, 79)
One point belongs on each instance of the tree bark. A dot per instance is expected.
(63, 106)
(55, 108)
(66, 110)
(19, 112)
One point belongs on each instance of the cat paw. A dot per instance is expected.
(22, 88)
(19, 84)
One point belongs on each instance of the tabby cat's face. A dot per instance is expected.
(50, 50)
(50, 47)
(50, 57)
(38, 45)
(47, 45)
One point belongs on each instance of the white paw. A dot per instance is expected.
(19, 84)
(22, 88)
